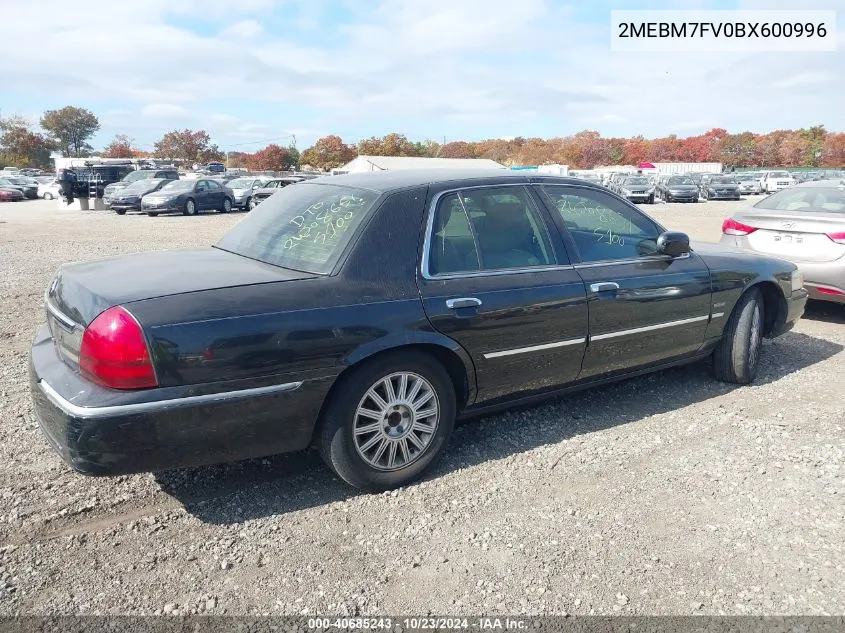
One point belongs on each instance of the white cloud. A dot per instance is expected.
(163, 111)
(245, 29)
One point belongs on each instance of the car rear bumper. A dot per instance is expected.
(100, 431)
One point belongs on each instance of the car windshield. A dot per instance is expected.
(241, 183)
(304, 227)
(135, 176)
(745, 177)
(779, 174)
(723, 180)
(810, 199)
(144, 186)
(680, 181)
(637, 181)
(179, 185)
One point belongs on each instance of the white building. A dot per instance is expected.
(385, 163)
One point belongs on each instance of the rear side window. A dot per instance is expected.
(496, 228)
(810, 199)
(305, 228)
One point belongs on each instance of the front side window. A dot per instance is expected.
(304, 228)
(603, 228)
(213, 185)
(496, 228)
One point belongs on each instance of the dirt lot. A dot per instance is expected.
(667, 494)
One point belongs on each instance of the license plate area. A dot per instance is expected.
(67, 340)
(788, 238)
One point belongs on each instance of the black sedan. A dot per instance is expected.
(129, 198)
(679, 189)
(188, 197)
(720, 188)
(364, 313)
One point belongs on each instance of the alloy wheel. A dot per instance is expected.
(395, 421)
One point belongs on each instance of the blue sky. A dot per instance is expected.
(259, 70)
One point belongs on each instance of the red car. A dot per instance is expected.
(10, 195)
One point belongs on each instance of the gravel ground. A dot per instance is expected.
(667, 494)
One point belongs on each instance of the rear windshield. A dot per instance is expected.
(680, 181)
(138, 175)
(304, 227)
(637, 181)
(811, 199)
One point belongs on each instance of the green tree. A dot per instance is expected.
(71, 127)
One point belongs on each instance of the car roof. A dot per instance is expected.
(385, 181)
(823, 184)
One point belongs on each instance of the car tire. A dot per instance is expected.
(250, 204)
(737, 357)
(227, 206)
(190, 207)
(651, 199)
(152, 214)
(357, 456)
(120, 211)
(48, 196)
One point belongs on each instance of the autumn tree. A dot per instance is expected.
(738, 150)
(237, 159)
(120, 147)
(795, 150)
(20, 146)
(328, 152)
(458, 149)
(186, 145)
(768, 148)
(833, 150)
(71, 127)
(271, 158)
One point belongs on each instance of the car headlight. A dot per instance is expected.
(797, 280)
(627, 192)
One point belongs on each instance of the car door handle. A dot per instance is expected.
(605, 286)
(463, 302)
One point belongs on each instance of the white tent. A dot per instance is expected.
(385, 163)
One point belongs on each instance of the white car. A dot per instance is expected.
(772, 181)
(49, 190)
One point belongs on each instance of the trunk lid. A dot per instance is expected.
(795, 235)
(79, 292)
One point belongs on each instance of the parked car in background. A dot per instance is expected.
(215, 168)
(135, 176)
(7, 194)
(277, 338)
(772, 181)
(271, 187)
(637, 189)
(188, 197)
(29, 190)
(749, 184)
(804, 224)
(49, 190)
(589, 177)
(716, 187)
(679, 189)
(243, 189)
(129, 198)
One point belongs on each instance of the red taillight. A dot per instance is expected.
(732, 227)
(829, 291)
(839, 238)
(114, 352)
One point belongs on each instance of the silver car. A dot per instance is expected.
(244, 188)
(804, 224)
(749, 184)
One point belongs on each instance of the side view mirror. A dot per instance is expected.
(673, 244)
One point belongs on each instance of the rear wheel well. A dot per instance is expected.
(450, 361)
(774, 305)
